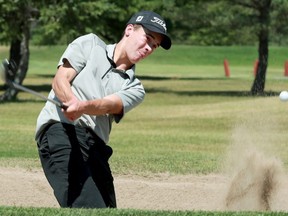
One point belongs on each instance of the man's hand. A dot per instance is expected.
(73, 111)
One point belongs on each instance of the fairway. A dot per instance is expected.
(198, 142)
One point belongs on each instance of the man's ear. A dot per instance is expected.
(129, 28)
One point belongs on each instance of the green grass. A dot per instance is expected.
(188, 121)
(197, 61)
(9, 211)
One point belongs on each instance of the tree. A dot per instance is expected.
(258, 15)
(263, 8)
(61, 21)
(15, 22)
(209, 22)
(233, 22)
(279, 17)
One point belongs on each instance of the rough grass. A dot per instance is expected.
(184, 126)
(9, 211)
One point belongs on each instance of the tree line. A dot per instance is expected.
(193, 22)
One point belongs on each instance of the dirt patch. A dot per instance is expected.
(188, 192)
(252, 178)
(20, 187)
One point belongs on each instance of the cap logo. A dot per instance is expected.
(139, 18)
(160, 22)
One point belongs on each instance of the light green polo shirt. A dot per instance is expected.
(96, 78)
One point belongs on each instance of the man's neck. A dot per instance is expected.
(120, 58)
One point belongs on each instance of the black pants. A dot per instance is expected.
(75, 162)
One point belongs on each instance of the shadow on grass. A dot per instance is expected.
(160, 78)
(153, 78)
(48, 76)
(37, 88)
(211, 93)
(230, 93)
(166, 91)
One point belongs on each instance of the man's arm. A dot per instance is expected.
(111, 104)
(61, 83)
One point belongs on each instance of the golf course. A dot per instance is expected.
(199, 144)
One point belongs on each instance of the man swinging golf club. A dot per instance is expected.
(97, 84)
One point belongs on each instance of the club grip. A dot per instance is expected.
(63, 106)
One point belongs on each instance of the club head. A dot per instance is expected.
(8, 70)
(9, 67)
(12, 66)
(4, 70)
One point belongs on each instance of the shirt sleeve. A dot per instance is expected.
(78, 51)
(132, 95)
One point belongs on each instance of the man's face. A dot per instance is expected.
(142, 43)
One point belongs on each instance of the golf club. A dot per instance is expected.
(10, 67)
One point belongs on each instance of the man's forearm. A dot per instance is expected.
(111, 104)
(61, 83)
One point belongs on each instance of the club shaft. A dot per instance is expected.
(22, 88)
(7, 66)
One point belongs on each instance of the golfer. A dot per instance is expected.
(98, 85)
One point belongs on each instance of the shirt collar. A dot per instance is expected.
(110, 52)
